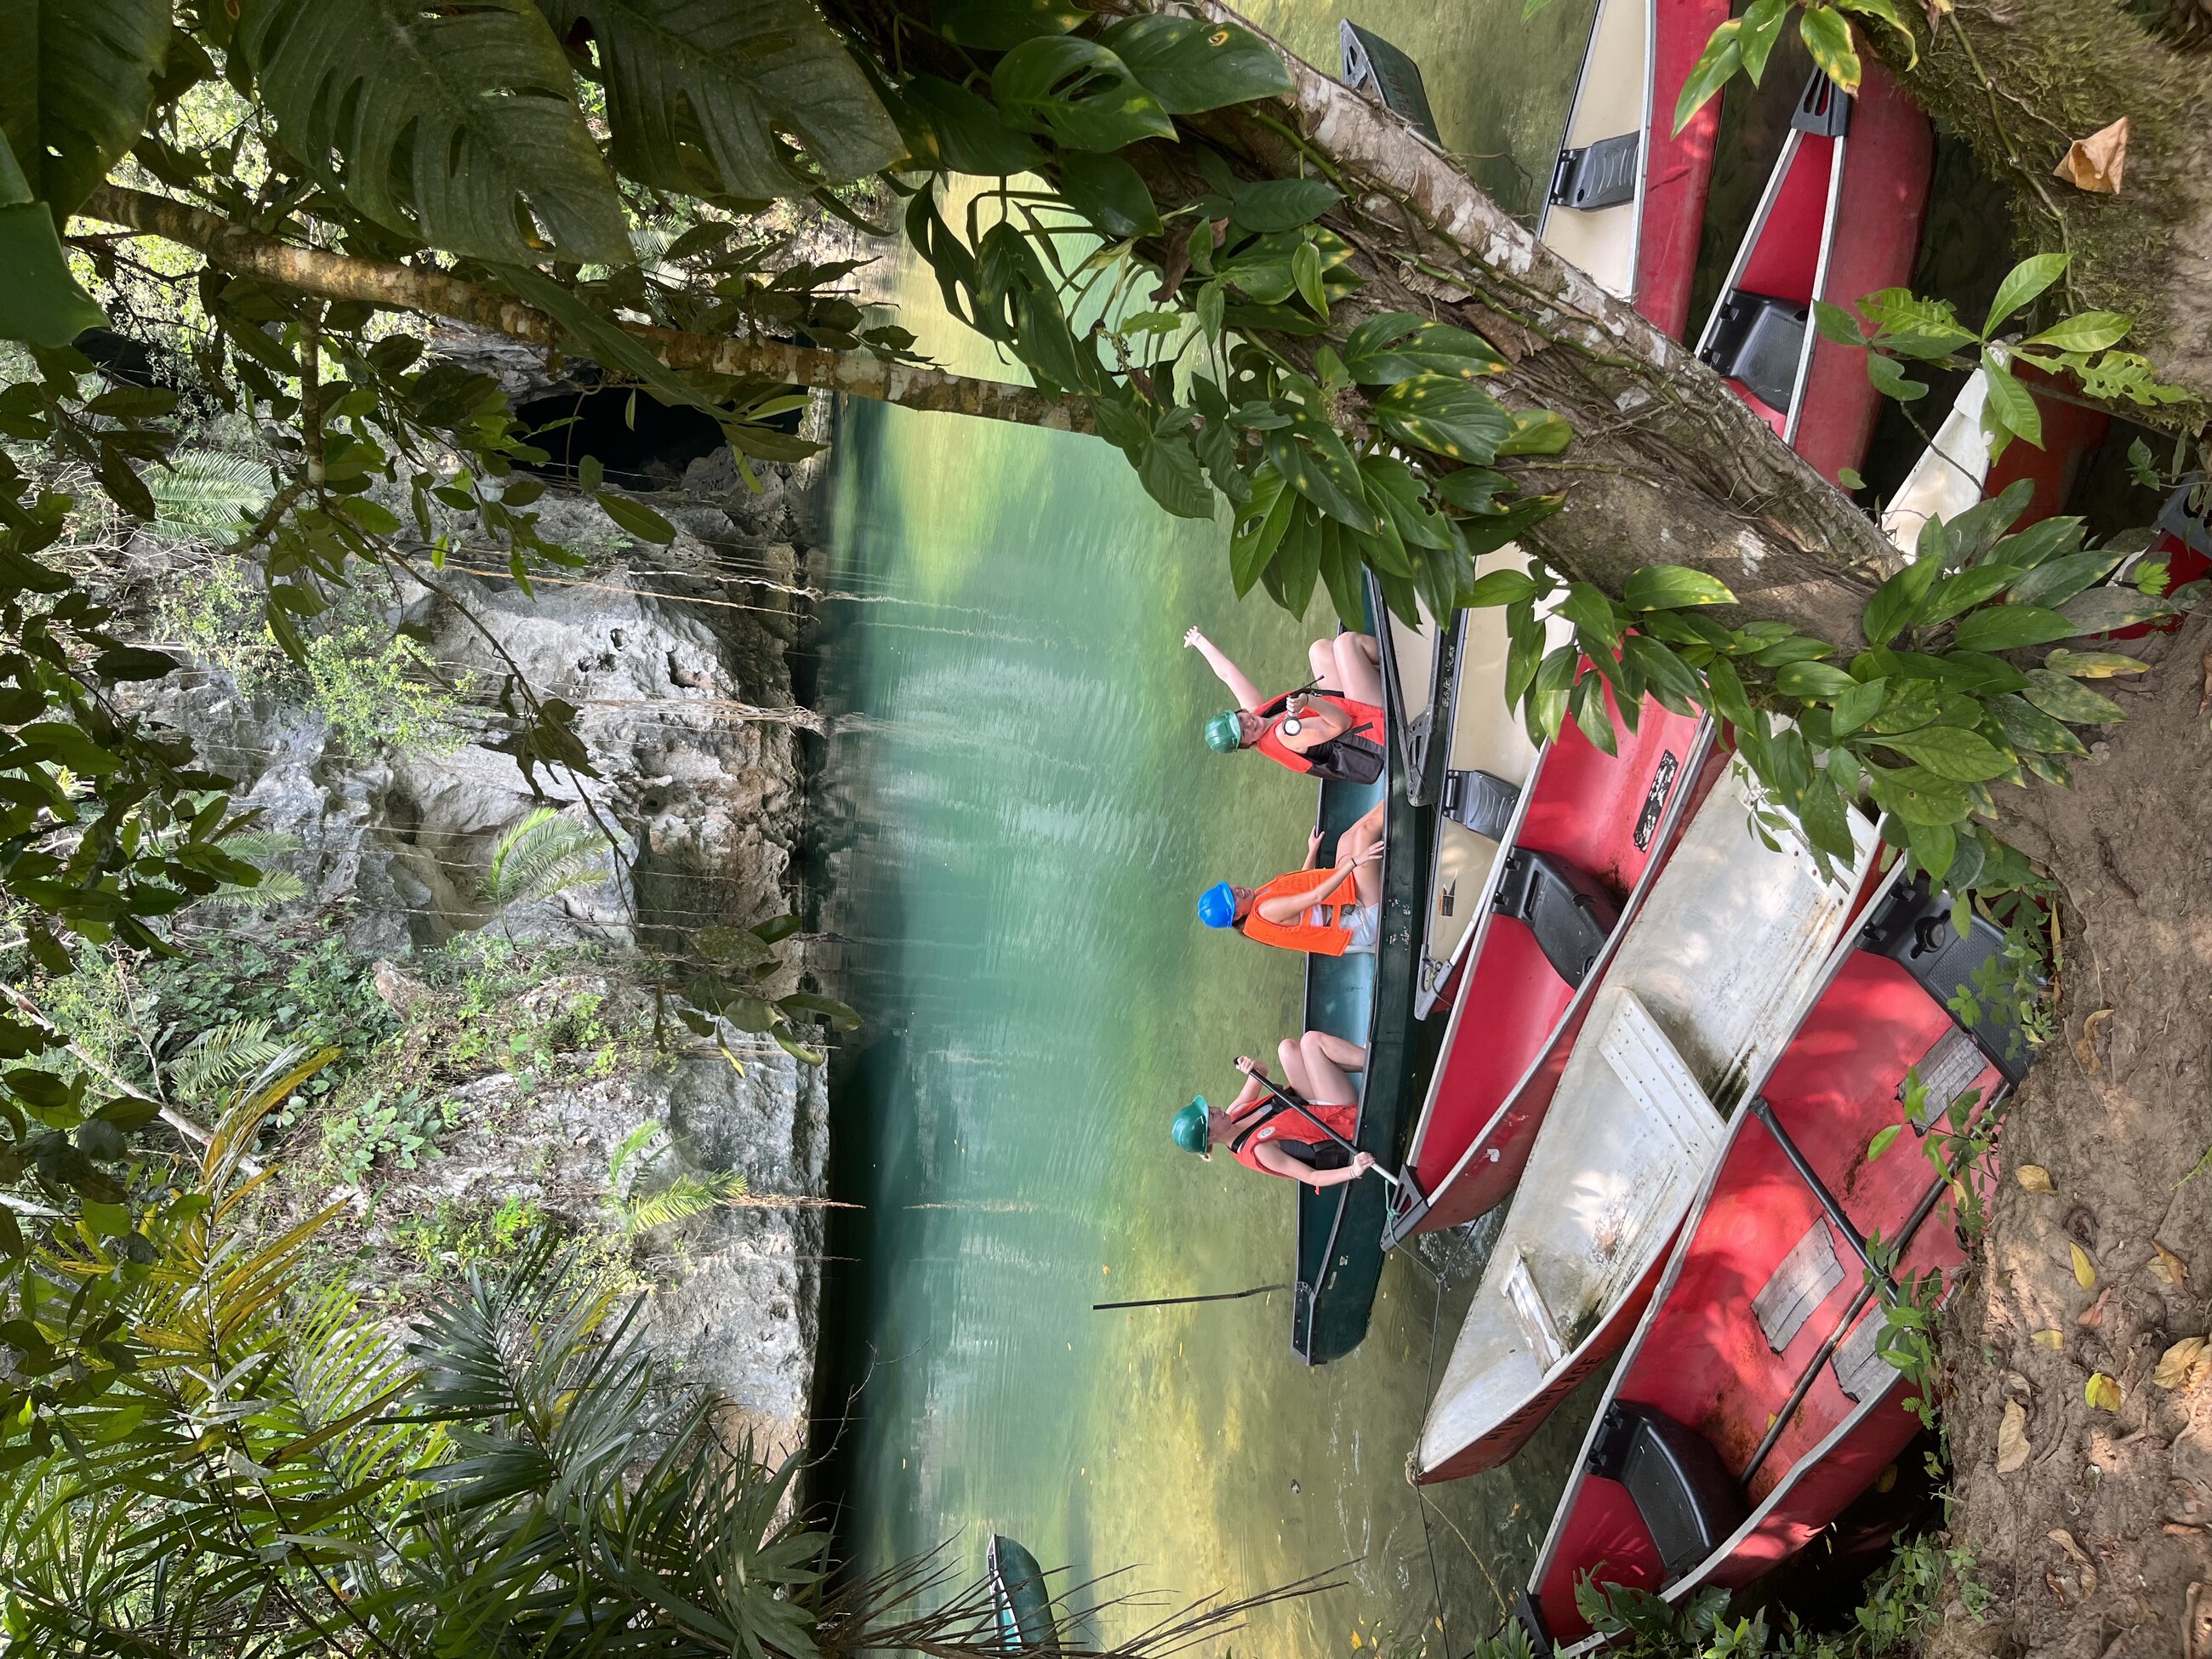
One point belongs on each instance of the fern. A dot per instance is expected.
(543, 855)
(451, 124)
(205, 495)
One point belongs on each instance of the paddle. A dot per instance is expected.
(1287, 1102)
(1177, 1301)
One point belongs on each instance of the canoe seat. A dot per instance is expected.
(1758, 340)
(1480, 802)
(1570, 914)
(1687, 1499)
(1535, 1315)
(1914, 929)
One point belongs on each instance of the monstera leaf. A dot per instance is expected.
(750, 77)
(76, 78)
(456, 124)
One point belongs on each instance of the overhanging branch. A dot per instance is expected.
(436, 294)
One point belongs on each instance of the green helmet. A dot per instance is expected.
(1192, 1127)
(1225, 733)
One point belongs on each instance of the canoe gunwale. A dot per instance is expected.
(1643, 131)
(1406, 1218)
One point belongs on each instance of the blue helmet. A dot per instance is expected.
(1216, 905)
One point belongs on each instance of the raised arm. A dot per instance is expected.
(1248, 696)
(1284, 908)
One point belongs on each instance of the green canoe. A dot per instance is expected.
(1370, 1000)
(1020, 1599)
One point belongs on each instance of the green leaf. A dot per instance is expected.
(1445, 416)
(1762, 28)
(1828, 35)
(1850, 477)
(841, 1015)
(1895, 600)
(1836, 323)
(2093, 665)
(1962, 591)
(1077, 92)
(1672, 587)
(1397, 345)
(2057, 581)
(2007, 627)
(1814, 682)
(970, 136)
(1316, 464)
(1537, 432)
(639, 520)
(1854, 708)
(1882, 1140)
(2021, 284)
(1893, 15)
(131, 662)
(1666, 675)
(2101, 610)
(1953, 752)
(1191, 66)
(1280, 204)
(996, 25)
(77, 81)
(447, 124)
(1716, 67)
(1500, 587)
(1917, 796)
(2065, 699)
(1587, 703)
(2029, 729)
(40, 301)
(1490, 532)
(1172, 475)
(2086, 331)
(743, 83)
(1893, 382)
(1111, 193)
(2011, 406)
(1252, 547)
(1305, 273)
(738, 949)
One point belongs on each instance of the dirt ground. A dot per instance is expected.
(2099, 1545)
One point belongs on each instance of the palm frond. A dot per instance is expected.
(205, 495)
(276, 887)
(222, 1055)
(691, 1192)
(541, 856)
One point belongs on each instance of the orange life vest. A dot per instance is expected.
(1356, 756)
(1320, 938)
(1295, 1128)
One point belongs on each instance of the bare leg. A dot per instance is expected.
(1359, 839)
(1321, 657)
(1358, 667)
(1327, 1059)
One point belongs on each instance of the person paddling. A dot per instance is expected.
(1325, 913)
(1332, 728)
(1264, 1133)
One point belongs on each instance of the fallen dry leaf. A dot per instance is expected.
(2086, 1583)
(2034, 1178)
(2085, 1271)
(2064, 1539)
(2085, 1046)
(2169, 1266)
(2051, 1340)
(2205, 702)
(2176, 1363)
(2103, 1392)
(2097, 162)
(2094, 1315)
(2012, 1439)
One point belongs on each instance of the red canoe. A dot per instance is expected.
(1578, 853)
(1751, 1405)
(1840, 219)
(1701, 995)
(1627, 199)
(2184, 542)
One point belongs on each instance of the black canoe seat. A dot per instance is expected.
(1570, 914)
(1688, 1501)
(1914, 930)
(1758, 340)
(1480, 802)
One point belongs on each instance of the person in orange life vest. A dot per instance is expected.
(1327, 913)
(1332, 729)
(1263, 1135)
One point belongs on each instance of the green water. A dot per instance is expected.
(1019, 814)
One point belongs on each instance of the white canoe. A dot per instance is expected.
(1706, 989)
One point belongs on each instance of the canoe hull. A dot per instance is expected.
(1760, 1286)
(1513, 1017)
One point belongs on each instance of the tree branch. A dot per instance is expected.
(436, 294)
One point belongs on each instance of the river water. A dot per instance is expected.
(1019, 817)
